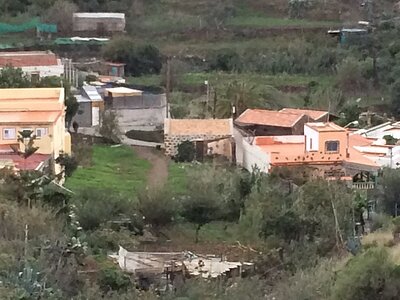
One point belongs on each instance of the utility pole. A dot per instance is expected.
(26, 245)
(168, 87)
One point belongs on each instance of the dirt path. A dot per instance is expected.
(158, 174)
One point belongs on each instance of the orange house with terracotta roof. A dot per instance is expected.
(40, 110)
(326, 147)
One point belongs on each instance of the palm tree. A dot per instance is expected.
(238, 97)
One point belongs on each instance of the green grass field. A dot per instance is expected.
(114, 168)
(268, 22)
(177, 180)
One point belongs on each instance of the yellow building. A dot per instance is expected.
(40, 110)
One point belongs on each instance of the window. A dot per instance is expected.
(311, 143)
(41, 132)
(332, 146)
(35, 77)
(9, 134)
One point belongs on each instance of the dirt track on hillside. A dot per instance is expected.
(158, 174)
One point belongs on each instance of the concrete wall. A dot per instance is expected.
(221, 147)
(312, 139)
(93, 24)
(84, 115)
(137, 102)
(253, 157)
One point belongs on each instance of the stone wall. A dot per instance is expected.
(172, 141)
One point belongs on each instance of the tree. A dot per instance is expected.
(61, 13)
(389, 193)
(395, 96)
(13, 78)
(200, 209)
(369, 276)
(269, 212)
(72, 108)
(27, 139)
(326, 211)
(139, 60)
(238, 95)
(158, 207)
(109, 128)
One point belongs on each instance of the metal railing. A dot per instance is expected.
(363, 185)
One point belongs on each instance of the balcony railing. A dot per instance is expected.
(363, 185)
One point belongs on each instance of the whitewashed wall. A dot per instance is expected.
(313, 135)
(45, 71)
(253, 156)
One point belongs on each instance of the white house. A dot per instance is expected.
(34, 63)
(382, 154)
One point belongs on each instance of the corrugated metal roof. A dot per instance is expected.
(91, 92)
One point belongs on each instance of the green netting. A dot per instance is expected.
(32, 24)
(9, 28)
(50, 28)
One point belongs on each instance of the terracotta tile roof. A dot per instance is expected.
(216, 127)
(31, 163)
(7, 148)
(314, 114)
(30, 117)
(28, 59)
(268, 118)
(325, 127)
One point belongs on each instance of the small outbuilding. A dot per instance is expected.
(100, 23)
(91, 105)
(123, 98)
(210, 136)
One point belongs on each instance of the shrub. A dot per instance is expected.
(139, 60)
(109, 128)
(371, 275)
(186, 152)
(68, 162)
(96, 207)
(226, 60)
(113, 279)
(158, 207)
